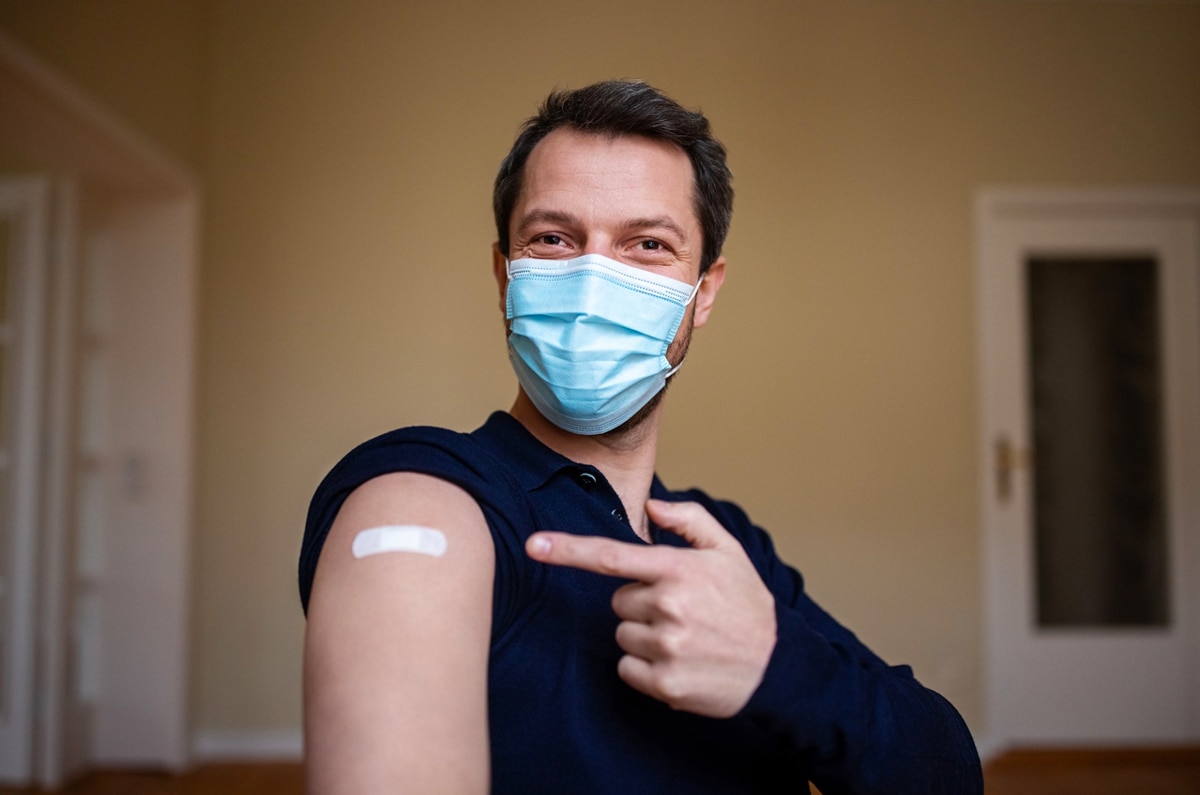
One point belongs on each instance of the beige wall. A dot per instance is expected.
(143, 60)
(347, 151)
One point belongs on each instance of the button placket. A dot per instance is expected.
(590, 482)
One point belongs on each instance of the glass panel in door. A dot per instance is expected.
(1100, 525)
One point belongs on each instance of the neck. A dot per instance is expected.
(626, 458)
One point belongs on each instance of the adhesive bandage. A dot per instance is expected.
(399, 538)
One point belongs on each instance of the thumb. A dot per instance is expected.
(690, 521)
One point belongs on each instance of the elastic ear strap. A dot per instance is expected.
(695, 290)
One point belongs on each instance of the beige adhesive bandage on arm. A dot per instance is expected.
(399, 538)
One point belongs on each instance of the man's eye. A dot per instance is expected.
(651, 245)
(550, 240)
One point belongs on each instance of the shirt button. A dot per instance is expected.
(587, 480)
(618, 514)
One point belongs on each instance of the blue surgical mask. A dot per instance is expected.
(588, 337)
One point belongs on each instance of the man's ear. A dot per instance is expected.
(500, 272)
(706, 296)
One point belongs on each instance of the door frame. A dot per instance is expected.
(1002, 215)
(145, 208)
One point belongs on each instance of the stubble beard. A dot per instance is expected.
(676, 352)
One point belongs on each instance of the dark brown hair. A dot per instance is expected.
(627, 107)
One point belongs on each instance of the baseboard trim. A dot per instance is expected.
(284, 745)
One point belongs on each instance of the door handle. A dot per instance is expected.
(1008, 458)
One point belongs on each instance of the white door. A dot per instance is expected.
(1090, 390)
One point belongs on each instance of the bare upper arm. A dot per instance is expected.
(396, 648)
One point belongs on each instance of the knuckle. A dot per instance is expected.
(608, 560)
(670, 687)
(672, 565)
(672, 643)
(672, 605)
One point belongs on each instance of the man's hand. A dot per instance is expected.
(697, 624)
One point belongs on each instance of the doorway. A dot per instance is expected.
(95, 648)
(1089, 340)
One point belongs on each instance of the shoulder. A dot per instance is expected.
(436, 451)
(400, 502)
(409, 469)
(457, 458)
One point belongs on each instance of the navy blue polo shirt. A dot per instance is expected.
(560, 718)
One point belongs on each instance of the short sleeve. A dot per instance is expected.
(454, 457)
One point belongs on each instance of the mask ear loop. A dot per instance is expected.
(695, 290)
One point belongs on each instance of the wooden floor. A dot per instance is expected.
(1153, 772)
(225, 779)
(1157, 772)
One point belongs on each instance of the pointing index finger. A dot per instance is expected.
(597, 554)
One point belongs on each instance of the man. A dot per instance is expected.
(526, 608)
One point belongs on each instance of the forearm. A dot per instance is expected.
(870, 728)
(363, 748)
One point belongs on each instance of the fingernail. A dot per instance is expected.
(539, 544)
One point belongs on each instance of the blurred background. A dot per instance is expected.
(269, 228)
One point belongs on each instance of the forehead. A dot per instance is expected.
(628, 174)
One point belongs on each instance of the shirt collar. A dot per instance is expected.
(530, 462)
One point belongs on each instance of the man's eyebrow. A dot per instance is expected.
(547, 216)
(658, 222)
(566, 219)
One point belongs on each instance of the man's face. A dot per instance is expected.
(628, 198)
